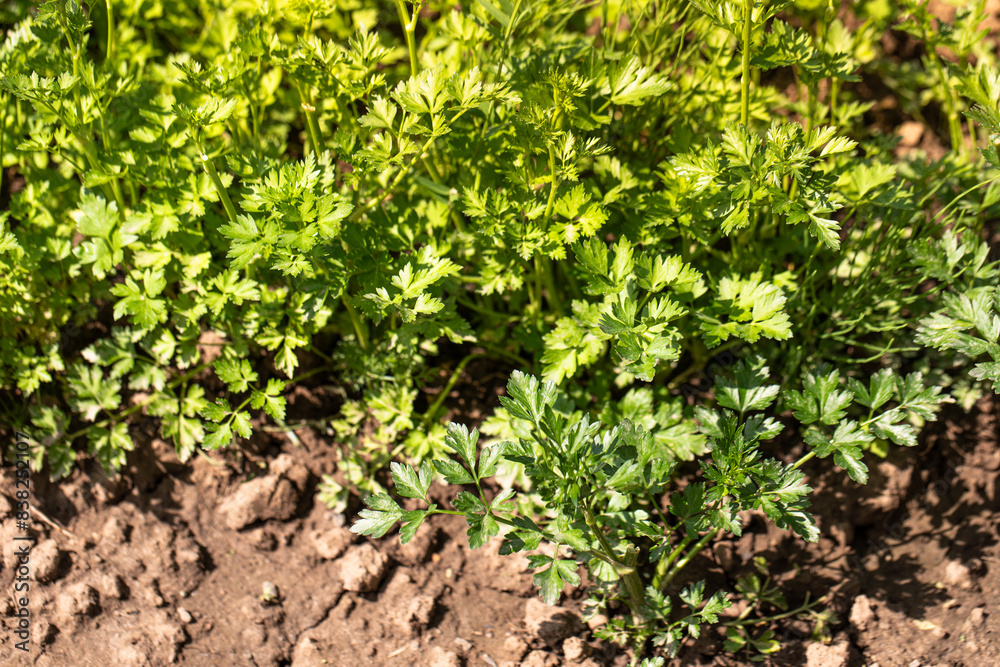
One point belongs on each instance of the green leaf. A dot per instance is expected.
(270, 399)
(249, 242)
(216, 411)
(921, 401)
(501, 498)
(689, 503)
(574, 343)
(8, 242)
(411, 522)
(748, 308)
(988, 371)
(783, 496)
(220, 435)
(654, 273)
(453, 472)
(481, 528)
(463, 442)
(847, 441)
(693, 595)
(627, 475)
(621, 319)
(607, 271)
(110, 445)
(551, 580)
(409, 482)
(631, 83)
(526, 397)
(91, 393)
(96, 217)
(882, 387)
(849, 458)
(467, 503)
(820, 400)
(241, 423)
(146, 311)
(748, 390)
(503, 17)
(236, 373)
(902, 434)
(716, 604)
(381, 515)
(179, 419)
(490, 458)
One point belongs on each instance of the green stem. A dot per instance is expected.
(664, 565)
(550, 204)
(76, 128)
(682, 563)
(802, 460)
(538, 287)
(806, 606)
(436, 406)
(315, 136)
(620, 568)
(745, 82)
(312, 127)
(700, 361)
(223, 194)
(834, 93)
(435, 174)
(574, 286)
(359, 327)
(516, 358)
(482, 310)
(109, 58)
(550, 287)
(633, 584)
(89, 152)
(652, 501)
(554, 180)
(409, 28)
(954, 124)
(311, 372)
(319, 353)
(610, 29)
(3, 135)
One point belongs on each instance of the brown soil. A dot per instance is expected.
(173, 564)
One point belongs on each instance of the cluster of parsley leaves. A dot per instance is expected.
(201, 211)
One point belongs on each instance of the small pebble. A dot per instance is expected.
(575, 649)
(269, 594)
(184, 615)
(957, 574)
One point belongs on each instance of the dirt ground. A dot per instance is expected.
(205, 564)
